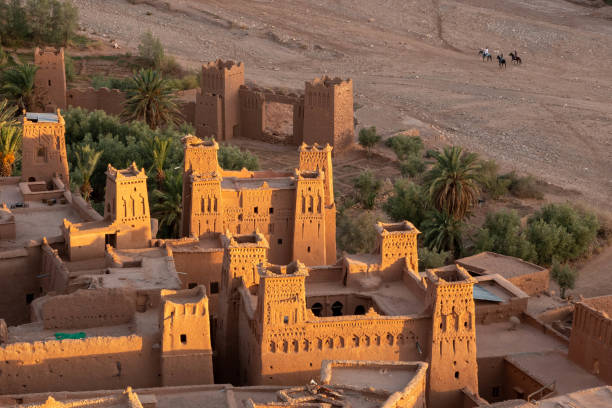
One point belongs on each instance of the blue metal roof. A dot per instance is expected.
(481, 293)
(42, 117)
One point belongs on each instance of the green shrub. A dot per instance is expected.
(367, 187)
(69, 68)
(408, 202)
(559, 231)
(443, 232)
(502, 233)
(405, 146)
(429, 259)
(522, 187)
(564, 275)
(184, 83)
(151, 50)
(492, 183)
(98, 81)
(356, 231)
(232, 158)
(412, 166)
(368, 138)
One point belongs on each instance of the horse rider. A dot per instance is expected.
(486, 51)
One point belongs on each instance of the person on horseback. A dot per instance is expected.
(486, 51)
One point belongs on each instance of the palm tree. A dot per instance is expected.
(160, 152)
(452, 182)
(86, 161)
(10, 142)
(7, 114)
(167, 207)
(442, 232)
(17, 84)
(150, 99)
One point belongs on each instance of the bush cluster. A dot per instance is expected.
(39, 22)
(356, 231)
(152, 52)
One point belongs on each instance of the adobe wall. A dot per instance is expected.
(488, 312)
(208, 115)
(50, 78)
(533, 283)
(86, 308)
(591, 339)
(76, 365)
(19, 284)
(54, 273)
(500, 379)
(291, 356)
(108, 100)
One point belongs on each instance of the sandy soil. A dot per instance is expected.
(414, 64)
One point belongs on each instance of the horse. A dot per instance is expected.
(485, 56)
(515, 58)
(501, 61)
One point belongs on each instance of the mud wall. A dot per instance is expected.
(591, 339)
(76, 365)
(533, 283)
(86, 308)
(19, 284)
(109, 100)
(55, 274)
(487, 313)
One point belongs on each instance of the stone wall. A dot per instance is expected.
(591, 339)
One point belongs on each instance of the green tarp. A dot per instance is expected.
(72, 336)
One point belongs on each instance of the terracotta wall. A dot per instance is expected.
(109, 100)
(86, 308)
(19, 284)
(500, 379)
(74, 365)
(487, 312)
(54, 273)
(591, 338)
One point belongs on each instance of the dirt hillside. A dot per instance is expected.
(415, 64)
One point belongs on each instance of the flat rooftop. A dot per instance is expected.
(552, 366)
(37, 220)
(389, 378)
(237, 183)
(42, 117)
(203, 244)
(499, 339)
(490, 262)
(391, 298)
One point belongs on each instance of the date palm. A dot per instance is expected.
(150, 99)
(167, 206)
(17, 85)
(7, 114)
(442, 232)
(10, 142)
(452, 184)
(160, 152)
(86, 161)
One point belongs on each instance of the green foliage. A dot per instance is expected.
(429, 259)
(38, 22)
(502, 233)
(559, 231)
(150, 99)
(151, 50)
(522, 187)
(367, 187)
(368, 138)
(99, 81)
(356, 231)
(492, 183)
(84, 167)
(405, 146)
(412, 166)
(564, 275)
(17, 85)
(69, 68)
(452, 183)
(167, 205)
(442, 232)
(184, 83)
(408, 202)
(232, 158)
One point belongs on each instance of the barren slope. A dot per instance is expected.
(414, 63)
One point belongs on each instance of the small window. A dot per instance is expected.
(192, 285)
(456, 374)
(214, 287)
(316, 309)
(280, 241)
(29, 298)
(495, 392)
(256, 210)
(286, 319)
(308, 249)
(184, 338)
(271, 210)
(41, 152)
(49, 82)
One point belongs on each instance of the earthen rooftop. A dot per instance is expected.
(490, 262)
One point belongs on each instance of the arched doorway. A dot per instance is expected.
(337, 309)
(360, 310)
(316, 309)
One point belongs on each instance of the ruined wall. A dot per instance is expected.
(54, 272)
(487, 312)
(75, 365)
(533, 283)
(591, 339)
(108, 100)
(86, 308)
(19, 284)
(50, 78)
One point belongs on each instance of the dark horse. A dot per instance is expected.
(515, 58)
(501, 61)
(485, 56)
